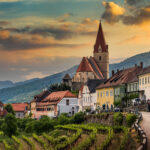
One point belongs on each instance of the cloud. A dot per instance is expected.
(112, 12)
(35, 75)
(3, 23)
(138, 17)
(133, 2)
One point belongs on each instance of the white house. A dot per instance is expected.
(87, 95)
(55, 104)
(144, 83)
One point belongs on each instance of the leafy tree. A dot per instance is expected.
(9, 127)
(130, 119)
(63, 119)
(9, 109)
(59, 87)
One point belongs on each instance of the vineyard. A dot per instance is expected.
(75, 137)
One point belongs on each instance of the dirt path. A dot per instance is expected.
(25, 145)
(145, 124)
(37, 145)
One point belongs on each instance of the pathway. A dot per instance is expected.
(145, 124)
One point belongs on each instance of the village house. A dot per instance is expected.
(3, 111)
(118, 86)
(144, 84)
(21, 109)
(96, 67)
(55, 104)
(87, 95)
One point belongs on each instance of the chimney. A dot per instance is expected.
(141, 65)
(117, 71)
(113, 72)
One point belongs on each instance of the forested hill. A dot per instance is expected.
(26, 91)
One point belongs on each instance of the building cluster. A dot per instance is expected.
(96, 89)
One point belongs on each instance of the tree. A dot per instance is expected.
(59, 87)
(9, 109)
(9, 127)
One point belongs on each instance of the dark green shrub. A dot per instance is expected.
(118, 118)
(9, 127)
(63, 119)
(9, 109)
(78, 118)
(130, 119)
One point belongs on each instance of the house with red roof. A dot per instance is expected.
(21, 109)
(54, 104)
(3, 111)
(96, 67)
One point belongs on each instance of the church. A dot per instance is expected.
(96, 67)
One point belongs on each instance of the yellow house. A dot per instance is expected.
(105, 96)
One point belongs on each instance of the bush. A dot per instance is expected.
(63, 119)
(130, 119)
(118, 118)
(9, 127)
(9, 109)
(78, 118)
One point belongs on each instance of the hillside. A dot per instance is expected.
(27, 90)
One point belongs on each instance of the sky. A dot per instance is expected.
(42, 37)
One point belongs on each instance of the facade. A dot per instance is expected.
(3, 111)
(144, 84)
(96, 67)
(87, 95)
(105, 96)
(21, 109)
(118, 86)
(54, 104)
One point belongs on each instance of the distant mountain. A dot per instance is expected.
(7, 84)
(26, 90)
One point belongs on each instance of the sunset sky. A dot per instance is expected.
(42, 37)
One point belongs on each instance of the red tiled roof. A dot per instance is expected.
(90, 65)
(19, 107)
(58, 96)
(122, 77)
(84, 66)
(3, 113)
(100, 41)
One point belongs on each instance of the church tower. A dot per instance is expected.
(101, 54)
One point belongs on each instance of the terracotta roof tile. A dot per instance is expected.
(58, 96)
(145, 70)
(19, 107)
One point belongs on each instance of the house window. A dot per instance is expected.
(111, 93)
(103, 94)
(100, 58)
(67, 102)
(145, 80)
(142, 80)
(148, 80)
(48, 109)
(107, 93)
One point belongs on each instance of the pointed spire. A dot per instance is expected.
(100, 41)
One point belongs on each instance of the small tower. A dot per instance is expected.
(101, 53)
(67, 80)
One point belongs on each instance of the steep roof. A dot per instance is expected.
(100, 41)
(67, 77)
(58, 96)
(92, 84)
(145, 71)
(84, 66)
(90, 65)
(122, 77)
(41, 96)
(19, 107)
